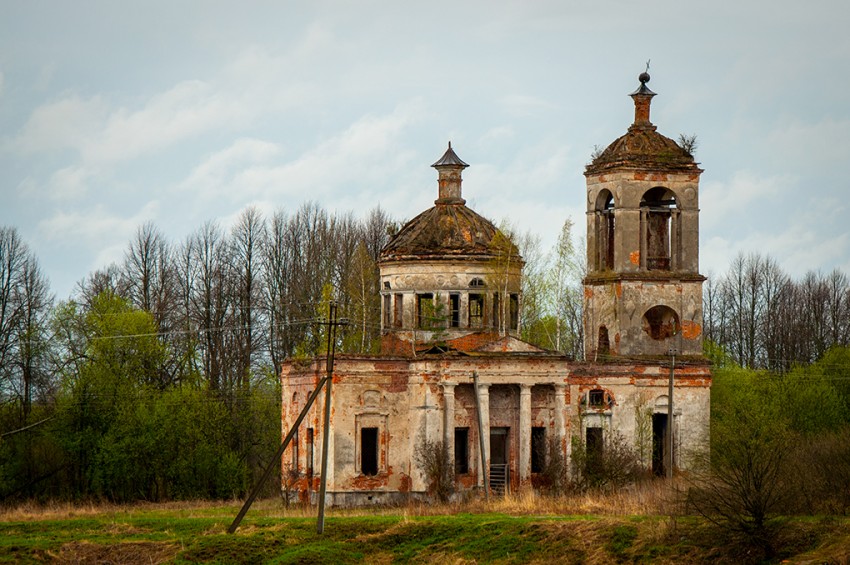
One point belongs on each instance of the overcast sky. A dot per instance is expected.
(115, 113)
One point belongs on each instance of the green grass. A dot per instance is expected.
(272, 535)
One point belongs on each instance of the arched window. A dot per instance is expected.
(661, 322)
(659, 229)
(605, 230)
(477, 283)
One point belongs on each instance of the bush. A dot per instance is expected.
(434, 460)
(615, 466)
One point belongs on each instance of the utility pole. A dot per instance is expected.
(481, 437)
(332, 322)
(672, 353)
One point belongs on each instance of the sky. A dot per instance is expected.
(117, 113)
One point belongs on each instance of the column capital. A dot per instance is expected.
(448, 388)
(525, 388)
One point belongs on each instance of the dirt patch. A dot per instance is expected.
(126, 553)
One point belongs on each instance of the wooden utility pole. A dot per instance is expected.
(276, 458)
(672, 353)
(332, 323)
(481, 437)
(320, 522)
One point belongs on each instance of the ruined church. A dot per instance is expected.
(453, 371)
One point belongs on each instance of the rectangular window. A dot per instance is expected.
(454, 307)
(497, 312)
(596, 398)
(514, 311)
(369, 451)
(425, 314)
(461, 451)
(538, 449)
(294, 447)
(476, 310)
(398, 309)
(309, 452)
(387, 304)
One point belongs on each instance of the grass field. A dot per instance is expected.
(515, 530)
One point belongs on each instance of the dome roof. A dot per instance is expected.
(445, 231)
(642, 148)
(448, 229)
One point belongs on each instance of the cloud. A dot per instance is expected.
(521, 105)
(367, 151)
(71, 183)
(720, 200)
(95, 225)
(61, 124)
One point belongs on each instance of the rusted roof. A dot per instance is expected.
(450, 159)
(642, 147)
(445, 230)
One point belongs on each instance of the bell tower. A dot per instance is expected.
(643, 290)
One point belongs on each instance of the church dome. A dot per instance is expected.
(443, 230)
(449, 229)
(642, 147)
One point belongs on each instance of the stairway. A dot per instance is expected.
(499, 478)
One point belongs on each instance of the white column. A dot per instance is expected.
(561, 417)
(484, 399)
(449, 421)
(524, 433)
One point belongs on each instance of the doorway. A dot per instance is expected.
(499, 453)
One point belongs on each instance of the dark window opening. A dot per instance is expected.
(294, 445)
(657, 207)
(454, 310)
(476, 310)
(661, 322)
(425, 312)
(387, 306)
(603, 346)
(593, 451)
(461, 451)
(596, 398)
(605, 230)
(538, 449)
(309, 452)
(398, 311)
(514, 313)
(497, 311)
(369, 451)
(477, 283)
(386, 285)
(659, 444)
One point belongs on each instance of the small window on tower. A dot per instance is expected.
(476, 310)
(454, 307)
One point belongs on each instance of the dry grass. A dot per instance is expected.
(648, 498)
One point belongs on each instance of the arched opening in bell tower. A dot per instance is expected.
(661, 322)
(605, 230)
(659, 228)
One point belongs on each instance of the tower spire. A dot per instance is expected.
(450, 168)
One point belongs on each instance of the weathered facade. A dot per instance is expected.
(450, 288)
